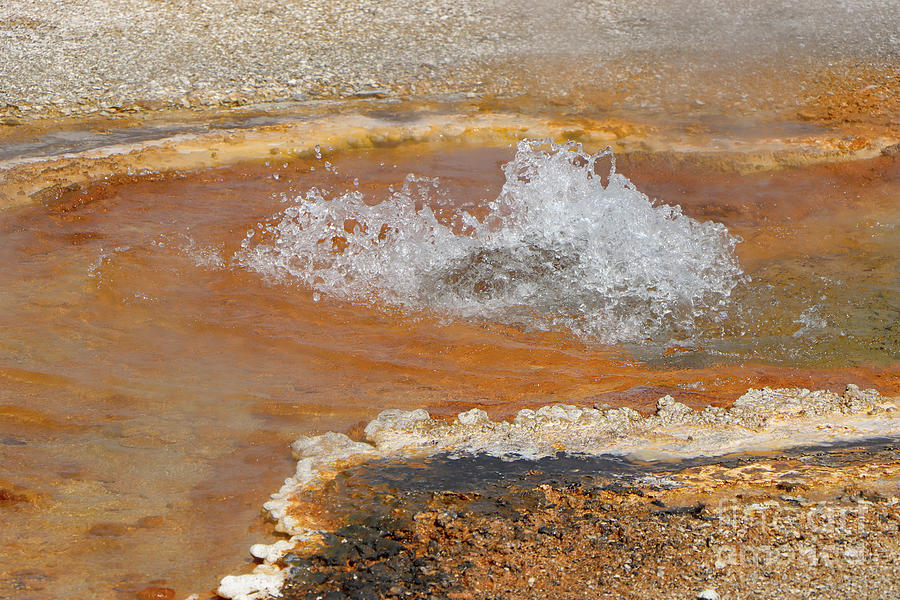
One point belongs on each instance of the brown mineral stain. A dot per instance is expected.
(109, 529)
(150, 522)
(8, 497)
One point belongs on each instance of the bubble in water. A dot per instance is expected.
(558, 249)
(810, 320)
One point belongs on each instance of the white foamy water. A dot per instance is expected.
(558, 249)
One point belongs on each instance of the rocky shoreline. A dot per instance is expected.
(567, 499)
(573, 538)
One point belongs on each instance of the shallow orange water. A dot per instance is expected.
(149, 390)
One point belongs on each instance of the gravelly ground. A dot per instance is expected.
(823, 525)
(85, 56)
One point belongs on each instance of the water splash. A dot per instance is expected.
(559, 248)
(810, 321)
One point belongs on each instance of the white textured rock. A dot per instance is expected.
(271, 552)
(760, 419)
(315, 454)
(393, 421)
(708, 594)
(255, 586)
(473, 417)
(669, 412)
(558, 414)
(329, 444)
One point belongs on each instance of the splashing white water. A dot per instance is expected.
(557, 249)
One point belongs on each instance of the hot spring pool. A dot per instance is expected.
(165, 336)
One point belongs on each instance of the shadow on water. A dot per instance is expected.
(417, 479)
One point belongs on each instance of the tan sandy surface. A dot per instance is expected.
(118, 57)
